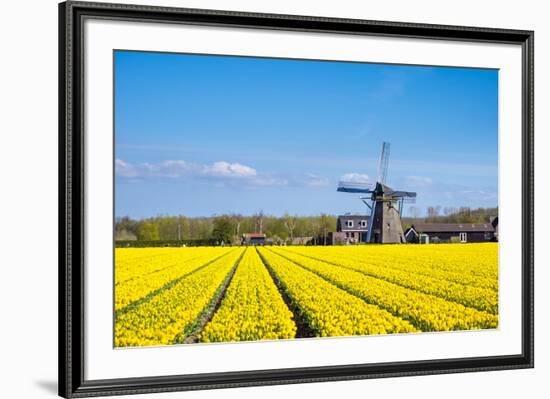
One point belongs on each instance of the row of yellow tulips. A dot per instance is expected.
(481, 298)
(160, 271)
(252, 308)
(162, 319)
(426, 312)
(329, 310)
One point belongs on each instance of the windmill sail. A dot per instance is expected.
(392, 193)
(383, 162)
(355, 187)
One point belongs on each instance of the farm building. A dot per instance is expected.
(451, 232)
(350, 229)
(254, 239)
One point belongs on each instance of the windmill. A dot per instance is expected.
(385, 203)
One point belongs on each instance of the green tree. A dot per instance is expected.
(148, 231)
(222, 229)
(275, 227)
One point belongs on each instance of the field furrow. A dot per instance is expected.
(165, 317)
(426, 312)
(227, 294)
(329, 310)
(252, 308)
(485, 299)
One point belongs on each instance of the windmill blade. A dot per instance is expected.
(383, 162)
(410, 194)
(355, 187)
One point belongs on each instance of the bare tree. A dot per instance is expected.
(290, 224)
(237, 220)
(314, 230)
(324, 224)
(259, 221)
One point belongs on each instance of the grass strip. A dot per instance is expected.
(191, 333)
(303, 329)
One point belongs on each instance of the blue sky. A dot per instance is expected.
(205, 135)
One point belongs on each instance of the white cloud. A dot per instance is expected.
(125, 169)
(226, 169)
(355, 178)
(172, 169)
(179, 168)
(219, 173)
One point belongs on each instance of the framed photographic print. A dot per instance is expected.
(254, 199)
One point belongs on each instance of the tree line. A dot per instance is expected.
(279, 229)
(438, 214)
(226, 228)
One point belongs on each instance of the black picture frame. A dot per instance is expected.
(71, 200)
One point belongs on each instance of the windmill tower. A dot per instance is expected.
(385, 203)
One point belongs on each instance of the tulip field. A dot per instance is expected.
(169, 296)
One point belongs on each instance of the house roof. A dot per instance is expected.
(254, 235)
(353, 217)
(452, 227)
(356, 219)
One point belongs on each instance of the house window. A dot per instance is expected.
(463, 237)
(349, 223)
(363, 223)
